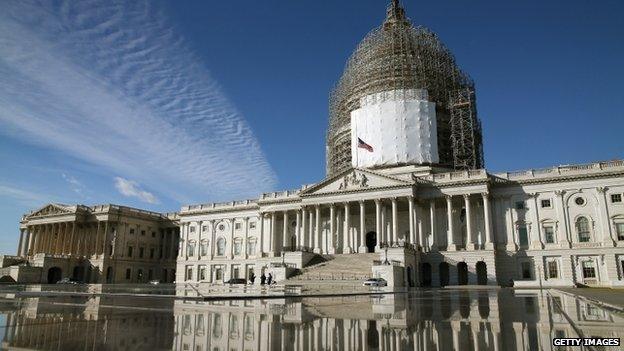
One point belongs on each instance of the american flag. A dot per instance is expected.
(364, 145)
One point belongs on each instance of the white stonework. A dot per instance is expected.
(98, 244)
(551, 227)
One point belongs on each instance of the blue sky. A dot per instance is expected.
(158, 104)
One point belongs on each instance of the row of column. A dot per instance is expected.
(309, 232)
(63, 238)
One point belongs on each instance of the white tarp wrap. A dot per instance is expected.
(400, 125)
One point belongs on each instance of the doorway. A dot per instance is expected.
(54, 275)
(481, 273)
(371, 241)
(462, 273)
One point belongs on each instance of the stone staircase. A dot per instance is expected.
(342, 267)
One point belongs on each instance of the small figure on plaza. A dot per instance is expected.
(269, 279)
(252, 278)
(262, 279)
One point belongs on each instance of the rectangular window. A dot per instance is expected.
(205, 228)
(549, 234)
(553, 270)
(189, 273)
(192, 229)
(153, 234)
(190, 249)
(143, 232)
(218, 274)
(519, 205)
(128, 273)
(141, 252)
(619, 228)
(588, 269)
(203, 250)
(616, 198)
(252, 225)
(526, 270)
(132, 231)
(237, 225)
(129, 251)
(546, 203)
(523, 236)
(152, 253)
(202, 273)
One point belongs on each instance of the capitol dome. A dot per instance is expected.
(399, 56)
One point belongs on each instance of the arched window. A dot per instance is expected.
(221, 247)
(582, 229)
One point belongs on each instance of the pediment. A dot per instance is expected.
(355, 180)
(51, 210)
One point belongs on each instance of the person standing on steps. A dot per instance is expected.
(269, 279)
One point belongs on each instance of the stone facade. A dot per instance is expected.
(99, 244)
(551, 227)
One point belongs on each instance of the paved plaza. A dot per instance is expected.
(196, 317)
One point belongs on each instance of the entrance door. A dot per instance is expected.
(444, 274)
(426, 274)
(54, 275)
(109, 275)
(371, 241)
(462, 273)
(481, 273)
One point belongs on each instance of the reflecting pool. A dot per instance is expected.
(442, 319)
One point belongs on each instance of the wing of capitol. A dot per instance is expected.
(405, 198)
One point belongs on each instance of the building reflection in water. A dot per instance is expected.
(422, 320)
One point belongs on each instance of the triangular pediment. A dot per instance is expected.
(52, 210)
(355, 180)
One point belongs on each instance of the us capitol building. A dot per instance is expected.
(406, 197)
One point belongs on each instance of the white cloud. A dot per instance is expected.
(110, 82)
(133, 189)
(25, 197)
(74, 184)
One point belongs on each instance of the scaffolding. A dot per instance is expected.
(399, 56)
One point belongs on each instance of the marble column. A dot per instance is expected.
(470, 244)
(317, 229)
(304, 228)
(562, 226)
(412, 231)
(297, 230)
(332, 229)
(609, 237)
(488, 221)
(347, 230)
(21, 241)
(395, 222)
(261, 243)
(246, 241)
(311, 238)
(363, 248)
(433, 245)
(450, 238)
(272, 234)
(285, 236)
(378, 222)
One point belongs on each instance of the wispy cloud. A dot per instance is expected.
(133, 189)
(111, 83)
(74, 184)
(25, 197)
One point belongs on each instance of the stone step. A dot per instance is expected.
(340, 267)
